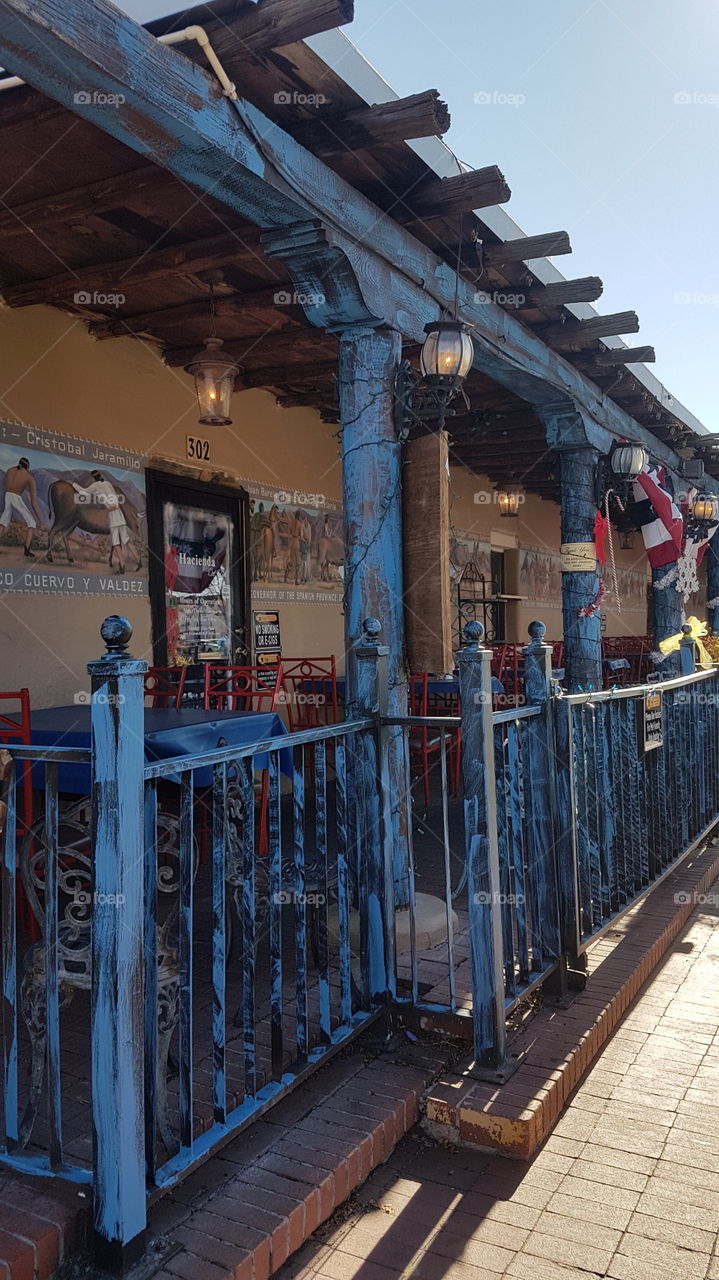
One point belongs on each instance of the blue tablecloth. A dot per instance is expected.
(168, 733)
(439, 687)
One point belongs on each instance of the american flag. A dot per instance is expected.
(658, 516)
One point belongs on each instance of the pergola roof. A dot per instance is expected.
(83, 215)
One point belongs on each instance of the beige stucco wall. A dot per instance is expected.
(532, 541)
(54, 376)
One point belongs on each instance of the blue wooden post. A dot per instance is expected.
(687, 651)
(667, 614)
(484, 884)
(372, 481)
(372, 805)
(118, 759)
(582, 636)
(540, 795)
(712, 558)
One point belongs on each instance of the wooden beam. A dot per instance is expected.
(269, 24)
(443, 197)
(277, 342)
(421, 115)
(585, 289)
(575, 333)
(230, 248)
(285, 375)
(83, 201)
(544, 246)
(234, 304)
(612, 356)
(171, 109)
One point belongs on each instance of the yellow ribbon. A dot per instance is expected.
(698, 629)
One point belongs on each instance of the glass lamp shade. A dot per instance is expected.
(705, 508)
(508, 503)
(628, 461)
(447, 353)
(214, 372)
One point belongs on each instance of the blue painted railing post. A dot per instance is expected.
(118, 760)
(372, 488)
(580, 579)
(667, 614)
(540, 797)
(371, 783)
(484, 888)
(712, 559)
(687, 651)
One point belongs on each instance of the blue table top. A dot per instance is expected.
(168, 733)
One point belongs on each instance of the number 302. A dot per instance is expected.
(197, 448)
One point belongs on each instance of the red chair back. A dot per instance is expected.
(165, 686)
(241, 688)
(309, 691)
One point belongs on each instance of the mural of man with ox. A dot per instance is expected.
(18, 483)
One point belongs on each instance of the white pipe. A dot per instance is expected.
(173, 37)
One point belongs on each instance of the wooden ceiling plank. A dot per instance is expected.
(584, 289)
(420, 115)
(270, 24)
(577, 332)
(80, 202)
(443, 197)
(228, 305)
(528, 247)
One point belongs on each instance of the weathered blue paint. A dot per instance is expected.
(321, 854)
(8, 951)
(185, 959)
(52, 967)
(219, 943)
(343, 881)
(372, 487)
(566, 825)
(667, 614)
(152, 1091)
(118, 923)
(687, 651)
(541, 837)
(276, 899)
(582, 635)
(300, 903)
(368, 662)
(248, 927)
(482, 854)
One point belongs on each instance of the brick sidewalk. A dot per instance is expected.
(626, 1187)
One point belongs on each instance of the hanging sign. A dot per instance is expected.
(652, 720)
(578, 557)
(267, 631)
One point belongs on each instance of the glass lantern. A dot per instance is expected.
(628, 461)
(705, 508)
(447, 353)
(214, 372)
(508, 502)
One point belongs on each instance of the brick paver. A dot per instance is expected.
(627, 1186)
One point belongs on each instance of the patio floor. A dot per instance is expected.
(626, 1187)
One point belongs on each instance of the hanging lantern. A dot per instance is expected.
(447, 353)
(626, 541)
(628, 460)
(214, 372)
(508, 502)
(705, 508)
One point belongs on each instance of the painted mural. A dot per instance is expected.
(297, 549)
(72, 515)
(540, 576)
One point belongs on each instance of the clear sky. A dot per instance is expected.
(604, 118)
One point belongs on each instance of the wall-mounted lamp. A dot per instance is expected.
(627, 461)
(445, 360)
(705, 508)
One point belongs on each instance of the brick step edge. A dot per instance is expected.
(44, 1223)
(255, 1203)
(561, 1045)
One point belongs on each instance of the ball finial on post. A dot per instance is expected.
(473, 634)
(536, 631)
(116, 632)
(371, 628)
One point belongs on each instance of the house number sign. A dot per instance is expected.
(652, 720)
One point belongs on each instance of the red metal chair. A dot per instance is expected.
(16, 727)
(165, 686)
(425, 743)
(309, 692)
(230, 688)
